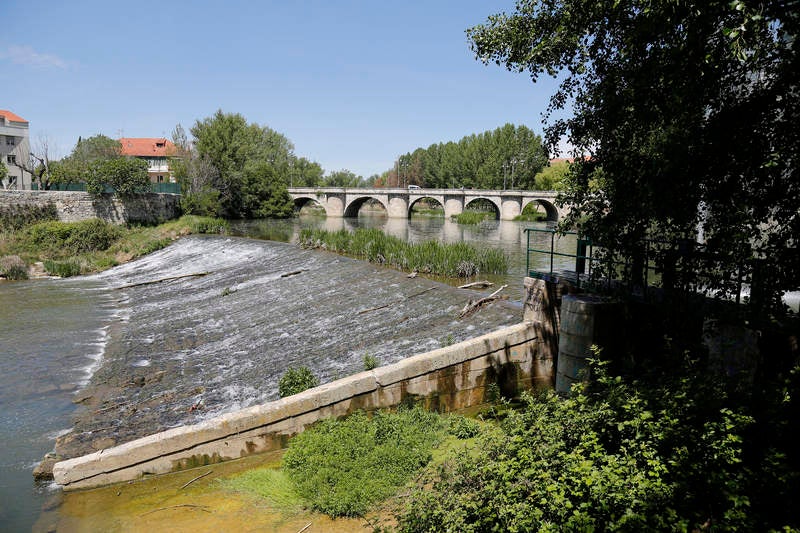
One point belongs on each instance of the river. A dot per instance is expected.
(140, 357)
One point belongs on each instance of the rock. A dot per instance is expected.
(103, 442)
(44, 470)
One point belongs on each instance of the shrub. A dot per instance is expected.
(13, 267)
(296, 380)
(462, 427)
(341, 467)
(74, 237)
(65, 269)
(472, 217)
(127, 176)
(370, 362)
(615, 456)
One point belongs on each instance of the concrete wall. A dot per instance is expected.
(446, 379)
(75, 206)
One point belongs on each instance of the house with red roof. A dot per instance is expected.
(15, 150)
(156, 151)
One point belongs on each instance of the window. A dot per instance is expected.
(10, 141)
(161, 179)
(11, 158)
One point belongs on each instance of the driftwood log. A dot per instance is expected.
(196, 274)
(473, 306)
(477, 285)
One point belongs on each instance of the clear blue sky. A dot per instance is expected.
(353, 84)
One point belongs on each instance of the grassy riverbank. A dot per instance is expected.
(456, 260)
(68, 249)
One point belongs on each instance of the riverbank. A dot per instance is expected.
(45, 248)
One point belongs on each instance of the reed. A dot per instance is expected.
(455, 260)
(472, 217)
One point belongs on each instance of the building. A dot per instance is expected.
(155, 151)
(15, 150)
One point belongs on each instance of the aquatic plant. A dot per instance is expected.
(455, 260)
(472, 217)
(65, 269)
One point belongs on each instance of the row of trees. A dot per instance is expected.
(507, 157)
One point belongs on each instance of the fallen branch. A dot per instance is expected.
(294, 273)
(195, 479)
(477, 285)
(307, 526)
(171, 278)
(394, 302)
(201, 507)
(471, 306)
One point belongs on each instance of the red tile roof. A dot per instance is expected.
(147, 147)
(11, 117)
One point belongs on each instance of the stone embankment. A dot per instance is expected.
(147, 208)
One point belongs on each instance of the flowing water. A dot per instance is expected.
(143, 356)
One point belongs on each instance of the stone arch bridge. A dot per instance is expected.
(346, 201)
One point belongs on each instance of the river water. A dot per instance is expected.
(141, 355)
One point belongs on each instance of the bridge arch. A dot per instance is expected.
(304, 201)
(352, 208)
(488, 201)
(437, 200)
(549, 207)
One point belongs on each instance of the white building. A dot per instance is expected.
(156, 151)
(15, 150)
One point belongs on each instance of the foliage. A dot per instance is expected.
(341, 467)
(462, 427)
(687, 114)
(472, 217)
(296, 380)
(98, 147)
(370, 362)
(271, 484)
(15, 217)
(429, 257)
(305, 173)
(3, 172)
(73, 237)
(509, 156)
(531, 213)
(65, 269)
(552, 177)
(245, 163)
(13, 267)
(672, 454)
(127, 176)
(343, 178)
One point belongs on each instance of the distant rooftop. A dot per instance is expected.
(147, 147)
(12, 117)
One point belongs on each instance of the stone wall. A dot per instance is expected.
(447, 379)
(147, 208)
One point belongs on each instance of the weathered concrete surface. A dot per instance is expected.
(449, 378)
(147, 208)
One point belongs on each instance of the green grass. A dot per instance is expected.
(472, 217)
(343, 467)
(271, 484)
(456, 260)
(72, 248)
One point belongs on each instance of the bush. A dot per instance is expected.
(462, 427)
(671, 455)
(13, 267)
(341, 467)
(74, 237)
(127, 176)
(370, 362)
(296, 380)
(472, 217)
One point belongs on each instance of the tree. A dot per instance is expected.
(687, 114)
(229, 144)
(96, 147)
(3, 174)
(343, 178)
(305, 173)
(127, 176)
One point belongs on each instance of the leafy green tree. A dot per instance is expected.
(263, 193)
(230, 144)
(552, 177)
(96, 147)
(687, 113)
(3, 173)
(343, 178)
(305, 173)
(127, 176)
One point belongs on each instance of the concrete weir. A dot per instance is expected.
(445, 379)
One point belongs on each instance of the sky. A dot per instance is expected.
(352, 84)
